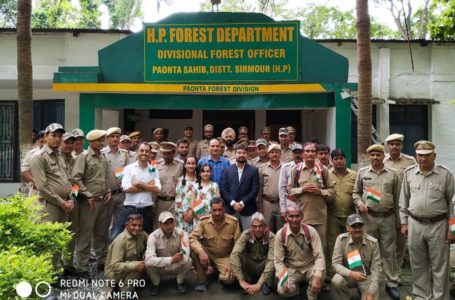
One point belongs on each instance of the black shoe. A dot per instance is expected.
(181, 288)
(265, 289)
(392, 292)
(201, 287)
(155, 290)
(83, 275)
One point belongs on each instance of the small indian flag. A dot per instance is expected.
(374, 195)
(184, 248)
(354, 259)
(452, 225)
(74, 191)
(198, 207)
(283, 277)
(119, 173)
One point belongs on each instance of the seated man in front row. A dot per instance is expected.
(211, 242)
(125, 258)
(252, 257)
(168, 253)
(356, 261)
(299, 256)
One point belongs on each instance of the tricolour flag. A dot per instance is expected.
(198, 206)
(283, 277)
(119, 173)
(452, 225)
(184, 248)
(374, 195)
(74, 192)
(354, 259)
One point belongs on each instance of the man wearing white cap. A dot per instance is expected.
(425, 209)
(262, 151)
(399, 161)
(79, 142)
(125, 144)
(376, 194)
(117, 160)
(268, 200)
(91, 174)
(168, 253)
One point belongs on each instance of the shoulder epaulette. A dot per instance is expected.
(230, 217)
(444, 167)
(344, 235)
(207, 216)
(363, 169)
(370, 238)
(410, 168)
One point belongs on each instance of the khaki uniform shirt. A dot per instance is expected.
(217, 243)
(343, 205)
(50, 174)
(229, 153)
(91, 174)
(132, 157)
(297, 255)
(257, 162)
(192, 147)
(268, 183)
(313, 206)
(125, 252)
(169, 174)
(400, 164)
(25, 166)
(384, 182)
(115, 161)
(69, 163)
(254, 251)
(426, 195)
(202, 149)
(160, 249)
(369, 251)
(286, 155)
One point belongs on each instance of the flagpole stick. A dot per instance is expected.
(364, 271)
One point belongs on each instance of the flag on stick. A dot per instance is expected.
(374, 195)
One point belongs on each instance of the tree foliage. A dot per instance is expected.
(123, 12)
(8, 13)
(54, 14)
(316, 21)
(443, 27)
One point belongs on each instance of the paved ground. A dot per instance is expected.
(217, 291)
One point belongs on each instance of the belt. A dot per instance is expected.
(98, 198)
(269, 199)
(137, 209)
(429, 220)
(166, 198)
(381, 214)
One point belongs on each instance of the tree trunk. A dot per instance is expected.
(364, 75)
(24, 73)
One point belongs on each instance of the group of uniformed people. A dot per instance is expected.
(314, 221)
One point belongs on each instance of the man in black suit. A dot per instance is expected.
(239, 187)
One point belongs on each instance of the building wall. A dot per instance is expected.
(433, 78)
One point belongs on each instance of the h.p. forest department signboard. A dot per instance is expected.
(222, 53)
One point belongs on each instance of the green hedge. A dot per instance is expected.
(26, 246)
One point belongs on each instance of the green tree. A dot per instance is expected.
(443, 27)
(89, 14)
(8, 13)
(123, 12)
(54, 14)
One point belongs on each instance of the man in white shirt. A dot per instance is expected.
(140, 180)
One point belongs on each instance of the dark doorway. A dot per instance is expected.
(230, 118)
(283, 118)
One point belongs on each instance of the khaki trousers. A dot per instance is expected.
(335, 227)
(429, 255)
(342, 286)
(384, 230)
(271, 213)
(160, 206)
(220, 263)
(74, 228)
(115, 207)
(52, 213)
(125, 277)
(92, 224)
(252, 270)
(322, 231)
(402, 242)
(296, 277)
(156, 273)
